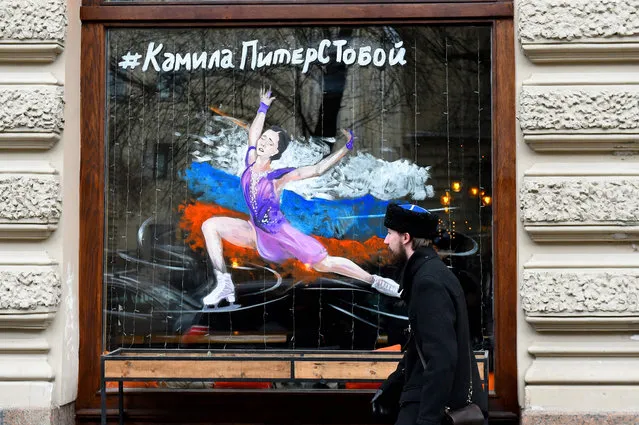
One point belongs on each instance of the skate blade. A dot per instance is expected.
(238, 307)
(221, 309)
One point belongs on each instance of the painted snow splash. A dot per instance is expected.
(355, 175)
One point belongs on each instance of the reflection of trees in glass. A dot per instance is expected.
(313, 104)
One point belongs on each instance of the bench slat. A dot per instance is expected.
(196, 369)
(360, 370)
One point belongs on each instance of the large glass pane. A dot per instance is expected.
(180, 103)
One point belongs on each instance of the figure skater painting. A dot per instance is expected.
(267, 230)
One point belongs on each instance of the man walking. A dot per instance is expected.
(438, 324)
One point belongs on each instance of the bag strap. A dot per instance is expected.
(469, 400)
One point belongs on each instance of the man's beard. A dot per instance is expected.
(399, 257)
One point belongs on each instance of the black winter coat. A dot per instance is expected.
(439, 323)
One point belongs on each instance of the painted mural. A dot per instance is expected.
(248, 172)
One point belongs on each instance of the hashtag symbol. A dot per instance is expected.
(130, 61)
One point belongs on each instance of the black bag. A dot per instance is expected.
(468, 415)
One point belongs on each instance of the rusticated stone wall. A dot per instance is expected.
(567, 31)
(580, 201)
(573, 20)
(31, 108)
(42, 206)
(28, 289)
(579, 209)
(33, 20)
(580, 292)
(571, 109)
(34, 289)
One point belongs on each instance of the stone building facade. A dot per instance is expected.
(577, 167)
(39, 156)
(578, 178)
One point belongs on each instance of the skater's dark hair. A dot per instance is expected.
(282, 143)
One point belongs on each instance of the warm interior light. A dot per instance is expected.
(234, 263)
(474, 191)
(456, 186)
(486, 200)
(445, 199)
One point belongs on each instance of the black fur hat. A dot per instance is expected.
(411, 219)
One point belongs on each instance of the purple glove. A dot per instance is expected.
(263, 107)
(349, 144)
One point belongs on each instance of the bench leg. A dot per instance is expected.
(103, 417)
(121, 401)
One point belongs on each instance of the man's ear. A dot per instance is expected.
(406, 237)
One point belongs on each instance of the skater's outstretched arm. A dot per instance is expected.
(321, 167)
(255, 130)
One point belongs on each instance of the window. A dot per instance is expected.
(430, 105)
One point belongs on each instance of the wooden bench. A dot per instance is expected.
(140, 365)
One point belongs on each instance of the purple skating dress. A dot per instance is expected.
(276, 239)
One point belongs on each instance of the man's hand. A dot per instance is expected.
(377, 407)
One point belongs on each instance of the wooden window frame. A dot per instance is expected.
(273, 406)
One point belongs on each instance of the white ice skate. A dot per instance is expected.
(224, 290)
(386, 286)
